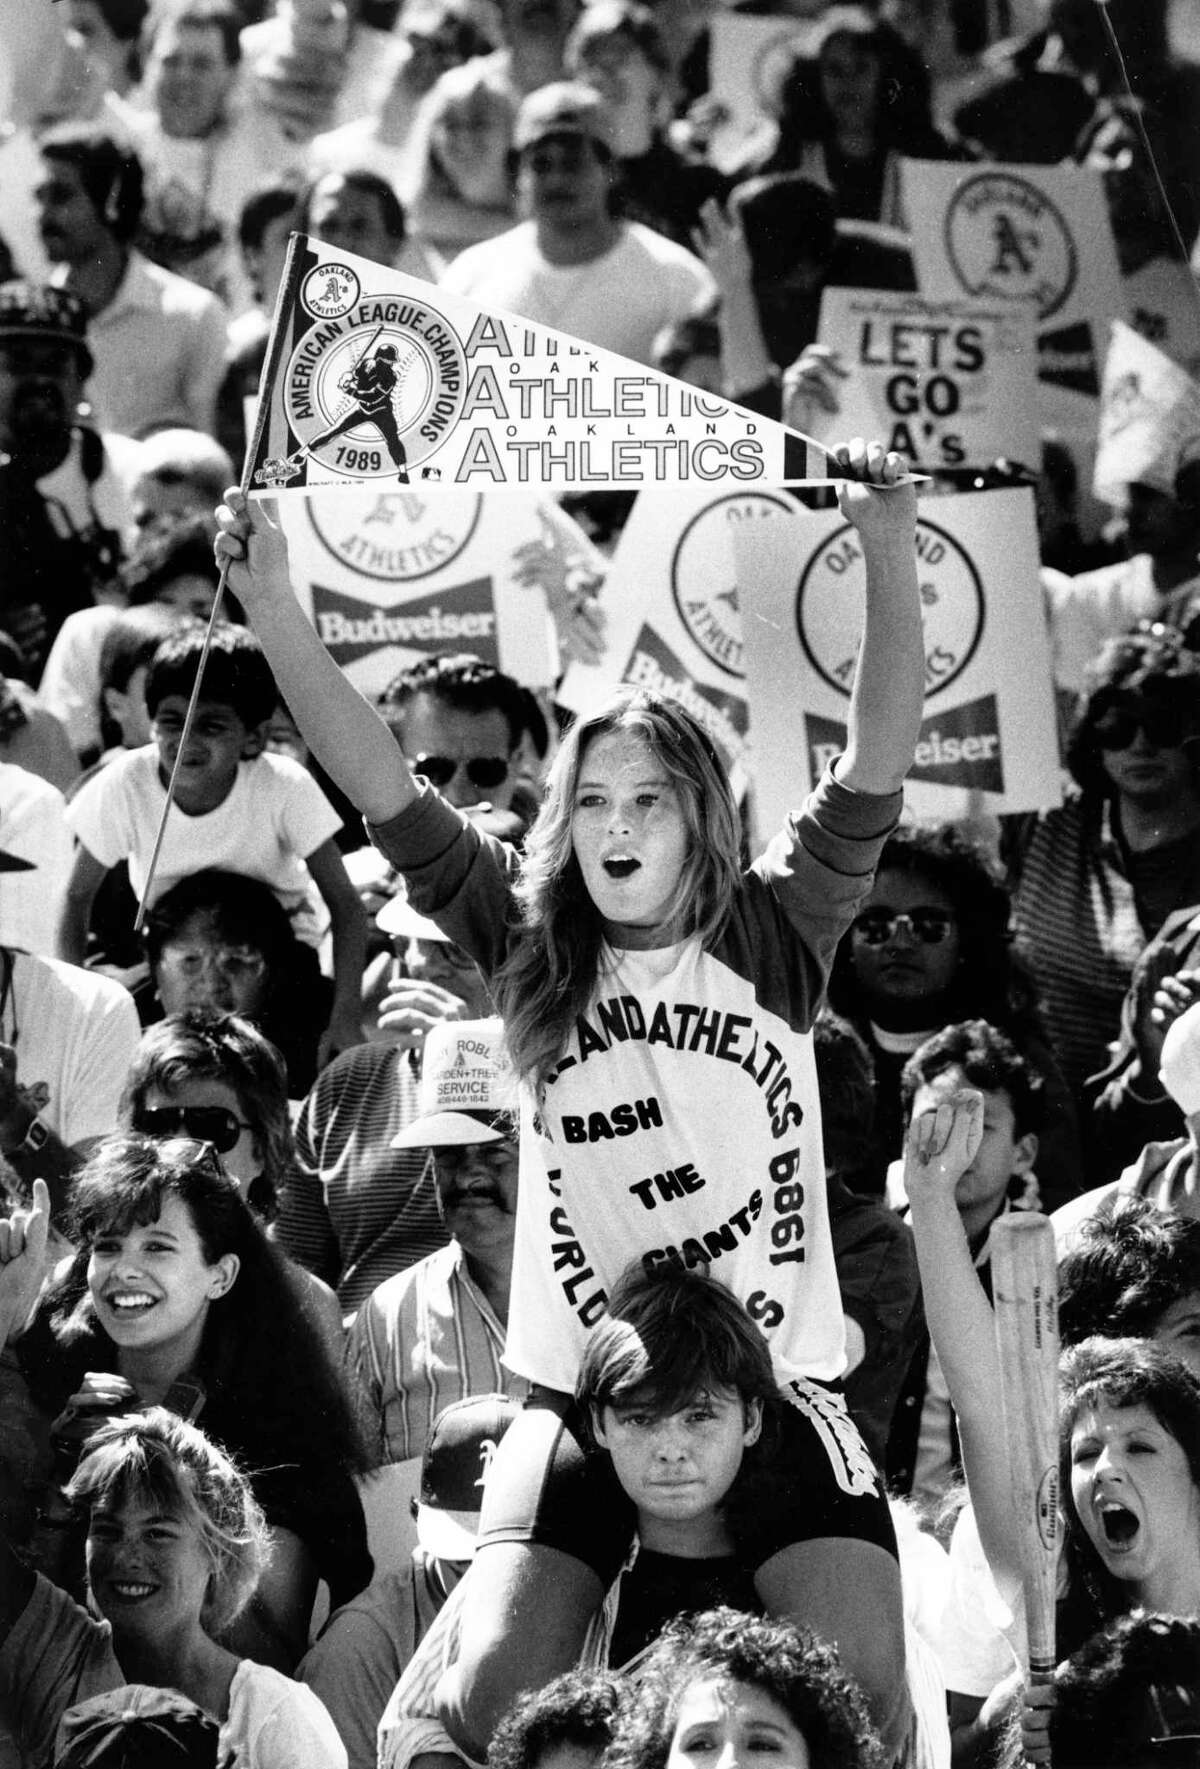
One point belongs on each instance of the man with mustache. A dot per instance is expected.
(435, 1332)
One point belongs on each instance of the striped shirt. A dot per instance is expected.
(355, 1210)
(426, 1338)
(1084, 908)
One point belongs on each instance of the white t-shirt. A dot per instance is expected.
(275, 816)
(620, 301)
(70, 684)
(75, 1035)
(33, 826)
(57, 1655)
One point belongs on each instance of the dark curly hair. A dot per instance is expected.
(988, 1060)
(1125, 1692)
(579, 1708)
(991, 982)
(1147, 665)
(1129, 1265)
(803, 1674)
(236, 671)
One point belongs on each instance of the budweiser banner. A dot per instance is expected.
(376, 377)
(988, 734)
(391, 574)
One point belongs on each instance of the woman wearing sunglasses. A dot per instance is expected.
(930, 948)
(175, 1291)
(1096, 878)
(215, 1078)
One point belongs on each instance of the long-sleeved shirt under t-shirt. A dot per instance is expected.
(682, 1123)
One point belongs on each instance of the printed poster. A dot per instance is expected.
(748, 59)
(390, 576)
(988, 731)
(673, 610)
(945, 383)
(378, 378)
(1017, 234)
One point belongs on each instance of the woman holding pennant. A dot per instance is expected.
(658, 1000)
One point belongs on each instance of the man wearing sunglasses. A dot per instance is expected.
(464, 726)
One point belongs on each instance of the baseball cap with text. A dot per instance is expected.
(465, 1083)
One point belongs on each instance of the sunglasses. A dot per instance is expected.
(485, 772)
(1164, 727)
(875, 927)
(214, 1125)
(234, 964)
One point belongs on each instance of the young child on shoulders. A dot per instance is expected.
(676, 1384)
(235, 807)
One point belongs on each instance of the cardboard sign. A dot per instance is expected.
(673, 610)
(381, 379)
(1019, 234)
(1149, 418)
(748, 58)
(989, 725)
(389, 576)
(947, 383)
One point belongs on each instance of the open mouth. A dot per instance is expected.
(621, 866)
(130, 1302)
(1119, 1524)
(130, 1591)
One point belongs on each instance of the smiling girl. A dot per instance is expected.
(175, 1547)
(658, 1000)
(176, 1297)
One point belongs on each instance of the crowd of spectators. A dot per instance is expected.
(416, 1342)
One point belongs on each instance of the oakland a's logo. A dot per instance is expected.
(373, 393)
(831, 599)
(329, 291)
(702, 574)
(1005, 238)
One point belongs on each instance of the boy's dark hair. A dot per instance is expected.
(668, 1334)
(367, 184)
(270, 202)
(111, 174)
(236, 673)
(1130, 1264)
(170, 548)
(578, 1708)
(988, 1060)
(846, 1086)
(462, 681)
(131, 641)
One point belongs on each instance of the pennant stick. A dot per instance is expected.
(266, 382)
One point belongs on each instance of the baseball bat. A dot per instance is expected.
(1025, 1298)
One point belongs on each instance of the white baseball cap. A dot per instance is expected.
(465, 1083)
(399, 919)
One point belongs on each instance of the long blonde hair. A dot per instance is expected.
(551, 972)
